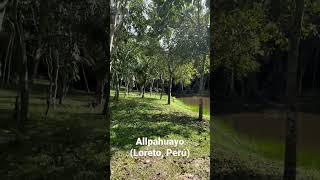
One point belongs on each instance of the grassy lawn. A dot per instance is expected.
(134, 117)
(69, 144)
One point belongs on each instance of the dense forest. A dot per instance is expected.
(52, 54)
(257, 36)
(266, 82)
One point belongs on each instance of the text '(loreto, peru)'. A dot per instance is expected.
(159, 148)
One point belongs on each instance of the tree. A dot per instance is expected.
(167, 23)
(3, 5)
(291, 91)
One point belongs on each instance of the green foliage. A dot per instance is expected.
(311, 26)
(238, 37)
(185, 73)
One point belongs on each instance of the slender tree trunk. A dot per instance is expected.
(170, 88)
(116, 97)
(157, 86)
(293, 54)
(142, 90)
(56, 74)
(36, 63)
(10, 55)
(23, 92)
(151, 87)
(6, 62)
(162, 87)
(99, 92)
(127, 87)
(50, 75)
(85, 79)
(8, 58)
(49, 91)
(201, 89)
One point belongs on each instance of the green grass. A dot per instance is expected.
(134, 117)
(69, 144)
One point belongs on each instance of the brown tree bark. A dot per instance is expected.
(10, 52)
(85, 79)
(170, 88)
(151, 87)
(56, 75)
(291, 91)
(162, 86)
(23, 91)
(201, 89)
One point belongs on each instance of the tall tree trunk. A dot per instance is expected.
(50, 76)
(151, 87)
(56, 75)
(99, 93)
(170, 70)
(142, 90)
(162, 86)
(170, 88)
(117, 88)
(23, 92)
(8, 57)
(127, 87)
(201, 89)
(10, 54)
(85, 79)
(291, 90)
(107, 46)
(157, 86)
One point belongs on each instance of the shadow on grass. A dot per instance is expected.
(136, 117)
(70, 144)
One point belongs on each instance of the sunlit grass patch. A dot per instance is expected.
(135, 117)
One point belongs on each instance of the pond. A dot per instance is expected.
(194, 101)
(271, 124)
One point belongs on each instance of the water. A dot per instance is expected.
(194, 101)
(271, 124)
